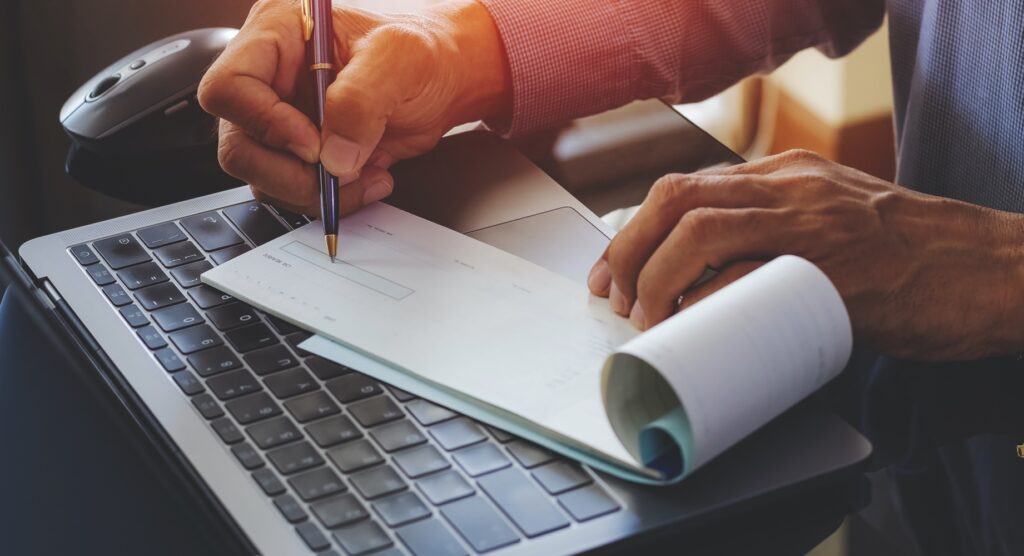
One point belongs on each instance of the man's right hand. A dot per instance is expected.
(404, 81)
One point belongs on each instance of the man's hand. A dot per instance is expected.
(404, 81)
(923, 277)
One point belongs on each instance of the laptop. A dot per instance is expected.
(301, 455)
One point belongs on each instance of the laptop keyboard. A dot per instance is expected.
(358, 467)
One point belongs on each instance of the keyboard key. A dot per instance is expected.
(362, 538)
(187, 276)
(231, 316)
(333, 431)
(401, 395)
(398, 436)
(295, 458)
(561, 476)
(142, 275)
(312, 406)
(227, 431)
(326, 370)
(529, 455)
(428, 413)
(210, 231)
(376, 411)
(317, 484)
(233, 384)
(251, 337)
(188, 383)
(207, 297)
(296, 338)
(100, 275)
(178, 254)
(312, 536)
(283, 327)
(377, 482)
(84, 255)
(481, 459)
(290, 508)
(225, 255)
(430, 538)
(121, 251)
(161, 234)
(291, 383)
(294, 220)
(116, 295)
(207, 406)
(457, 433)
(480, 524)
(274, 432)
(214, 361)
(134, 316)
(354, 456)
(159, 296)
(151, 337)
(169, 360)
(255, 221)
(197, 338)
(500, 435)
(587, 503)
(253, 408)
(247, 456)
(352, 387)
(523, 502)
(421, 461)
(444, 487)
(268, 481)
(401, 509)
(270, 359)
(338, 511)
(176, 317)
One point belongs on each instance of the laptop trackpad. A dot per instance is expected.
(560, 240)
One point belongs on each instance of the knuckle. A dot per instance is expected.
(230, 155)
(669, 188)
(698, 224)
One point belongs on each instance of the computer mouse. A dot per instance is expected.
(137, 131)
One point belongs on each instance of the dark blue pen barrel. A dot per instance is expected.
(323, 53)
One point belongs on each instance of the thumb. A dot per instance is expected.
(386, 70)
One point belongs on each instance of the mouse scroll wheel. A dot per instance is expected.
(104, 86)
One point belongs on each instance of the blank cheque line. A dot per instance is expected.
(349, 271)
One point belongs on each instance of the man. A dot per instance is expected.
(930, 270)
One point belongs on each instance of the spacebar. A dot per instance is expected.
(523, 502)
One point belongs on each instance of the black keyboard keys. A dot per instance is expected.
(210, 231)
(207, 406)
(482, 459)
(253, 336)
(311, 535)
(188, 383)
(479, 524)
(169, 360)
(294, 458)
(214, 361)
(247, 455)
(588, 503)
(430, 538)
(151, 337)
(401, 509)
(116, 295)
(421, 461)
(354, 456)
(225, 255)
(398, 435)
(268, 481)
(176, 317)
(274, 432)
(178, 254)
(561, 476)
(444, 487)
(328, 432)
(100, 275)
(291, 383)
(375, 411)
(312, 406)
(377, 482)
(84, 255)
(206, 297)
(270, 360)
(197, 338)
(233, 384)
(255, 221)
(457, 433)
(188, 275)
(338, 511)
(228, 432)
(253, 408)
(523, 502)
(232, 316)
(352, 387)
(121, 251)
(161, 234)
(324, 369)
(362, 538)
(290, 508)
(159, 296)
(140, 276)
(317, 484)
(134, 316)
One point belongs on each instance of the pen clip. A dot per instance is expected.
(307, 19)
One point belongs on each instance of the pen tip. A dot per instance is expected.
(332, 246)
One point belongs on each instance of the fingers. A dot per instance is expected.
(387, 68)
(726, 276)
(260, 65)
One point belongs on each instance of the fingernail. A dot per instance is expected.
(307, 154)
(618, 300)
(376, 192)
(340, 156)
(637, 317)
(600, 277)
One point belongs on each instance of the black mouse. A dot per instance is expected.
(137, 130)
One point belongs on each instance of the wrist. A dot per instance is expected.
(1009, 256)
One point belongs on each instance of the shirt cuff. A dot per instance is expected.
(568, 59)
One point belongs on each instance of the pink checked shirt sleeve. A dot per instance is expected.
(571, 58)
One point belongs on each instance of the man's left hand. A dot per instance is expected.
(923, 277)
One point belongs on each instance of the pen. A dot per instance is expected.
(319, 32)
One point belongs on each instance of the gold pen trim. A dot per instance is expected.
(332, 246)
(307, 18)
(316, 67)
